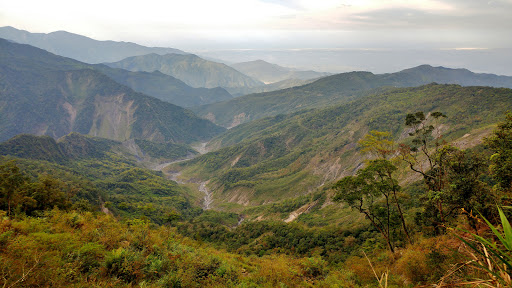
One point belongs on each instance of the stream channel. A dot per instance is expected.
(208, 195)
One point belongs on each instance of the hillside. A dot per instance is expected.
(271, 73)
(45, 94)
(290, 155)
(80, 47)
(165, 87)
(337, 89)
(191, 69)
(75, 146)
(46, 148)
(288, 83)
(95, 171)
(158, 85)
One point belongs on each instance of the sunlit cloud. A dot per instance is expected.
(463, 23)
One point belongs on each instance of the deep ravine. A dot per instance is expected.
(208, 195)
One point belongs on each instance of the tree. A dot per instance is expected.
(460, 188)
(381, 145)
(49, 193)
(452, 176)
(423, 133)
(12, 186)
(370, 192)
(423, 156)
(19, 193)
(501, 143)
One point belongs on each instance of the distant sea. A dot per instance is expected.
(494, 61)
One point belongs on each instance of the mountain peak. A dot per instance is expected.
(425, 68)
(189, 68)
(81, 47)
(271, 73)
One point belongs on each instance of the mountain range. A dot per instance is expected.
(272, 73)
(80, 47)
(189, 68)
(45, 94)
(290, 155)
(165, 87)
(193, 70)
(333, 89)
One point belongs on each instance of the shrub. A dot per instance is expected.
(123, 264)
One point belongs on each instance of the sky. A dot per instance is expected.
(199, 25)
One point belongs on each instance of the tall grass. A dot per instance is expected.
(490, 255)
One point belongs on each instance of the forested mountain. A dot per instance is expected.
(165, 87)
(288, 83)
(75, 146)
(190, 69)
(80, 47)
(158, 85)
(290, 155)
(271, 73)
(336, 89)
(91, 171)
(45, 94)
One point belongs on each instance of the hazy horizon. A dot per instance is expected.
(328, 35)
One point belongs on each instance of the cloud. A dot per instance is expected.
(401, 14)
(293, 4)
(454, 22)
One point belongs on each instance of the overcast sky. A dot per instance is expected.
(196, 25)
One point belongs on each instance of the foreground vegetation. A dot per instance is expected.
(73, 249)
(444, 229)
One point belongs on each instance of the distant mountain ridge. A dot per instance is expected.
(272, 73)
(161, 86)
(46, 94)
(190, 69)
(165, 87)
(80, 47)
(337, 88)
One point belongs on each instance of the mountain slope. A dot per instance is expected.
(44, 94)
(77, 146)
(71, 146)
(271, 73)
(158, 85)
(165, 87)
(288, 83)
(80, 47)
(97, 170)
(336, 89)
(289, 155)
(190, 69)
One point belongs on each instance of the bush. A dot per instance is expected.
(123, 264)
(314, 268)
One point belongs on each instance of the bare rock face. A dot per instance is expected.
(238, 119)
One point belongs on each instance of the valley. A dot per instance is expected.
(133, 166)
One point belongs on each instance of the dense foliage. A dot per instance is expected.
(85, 250)
(111, 181)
